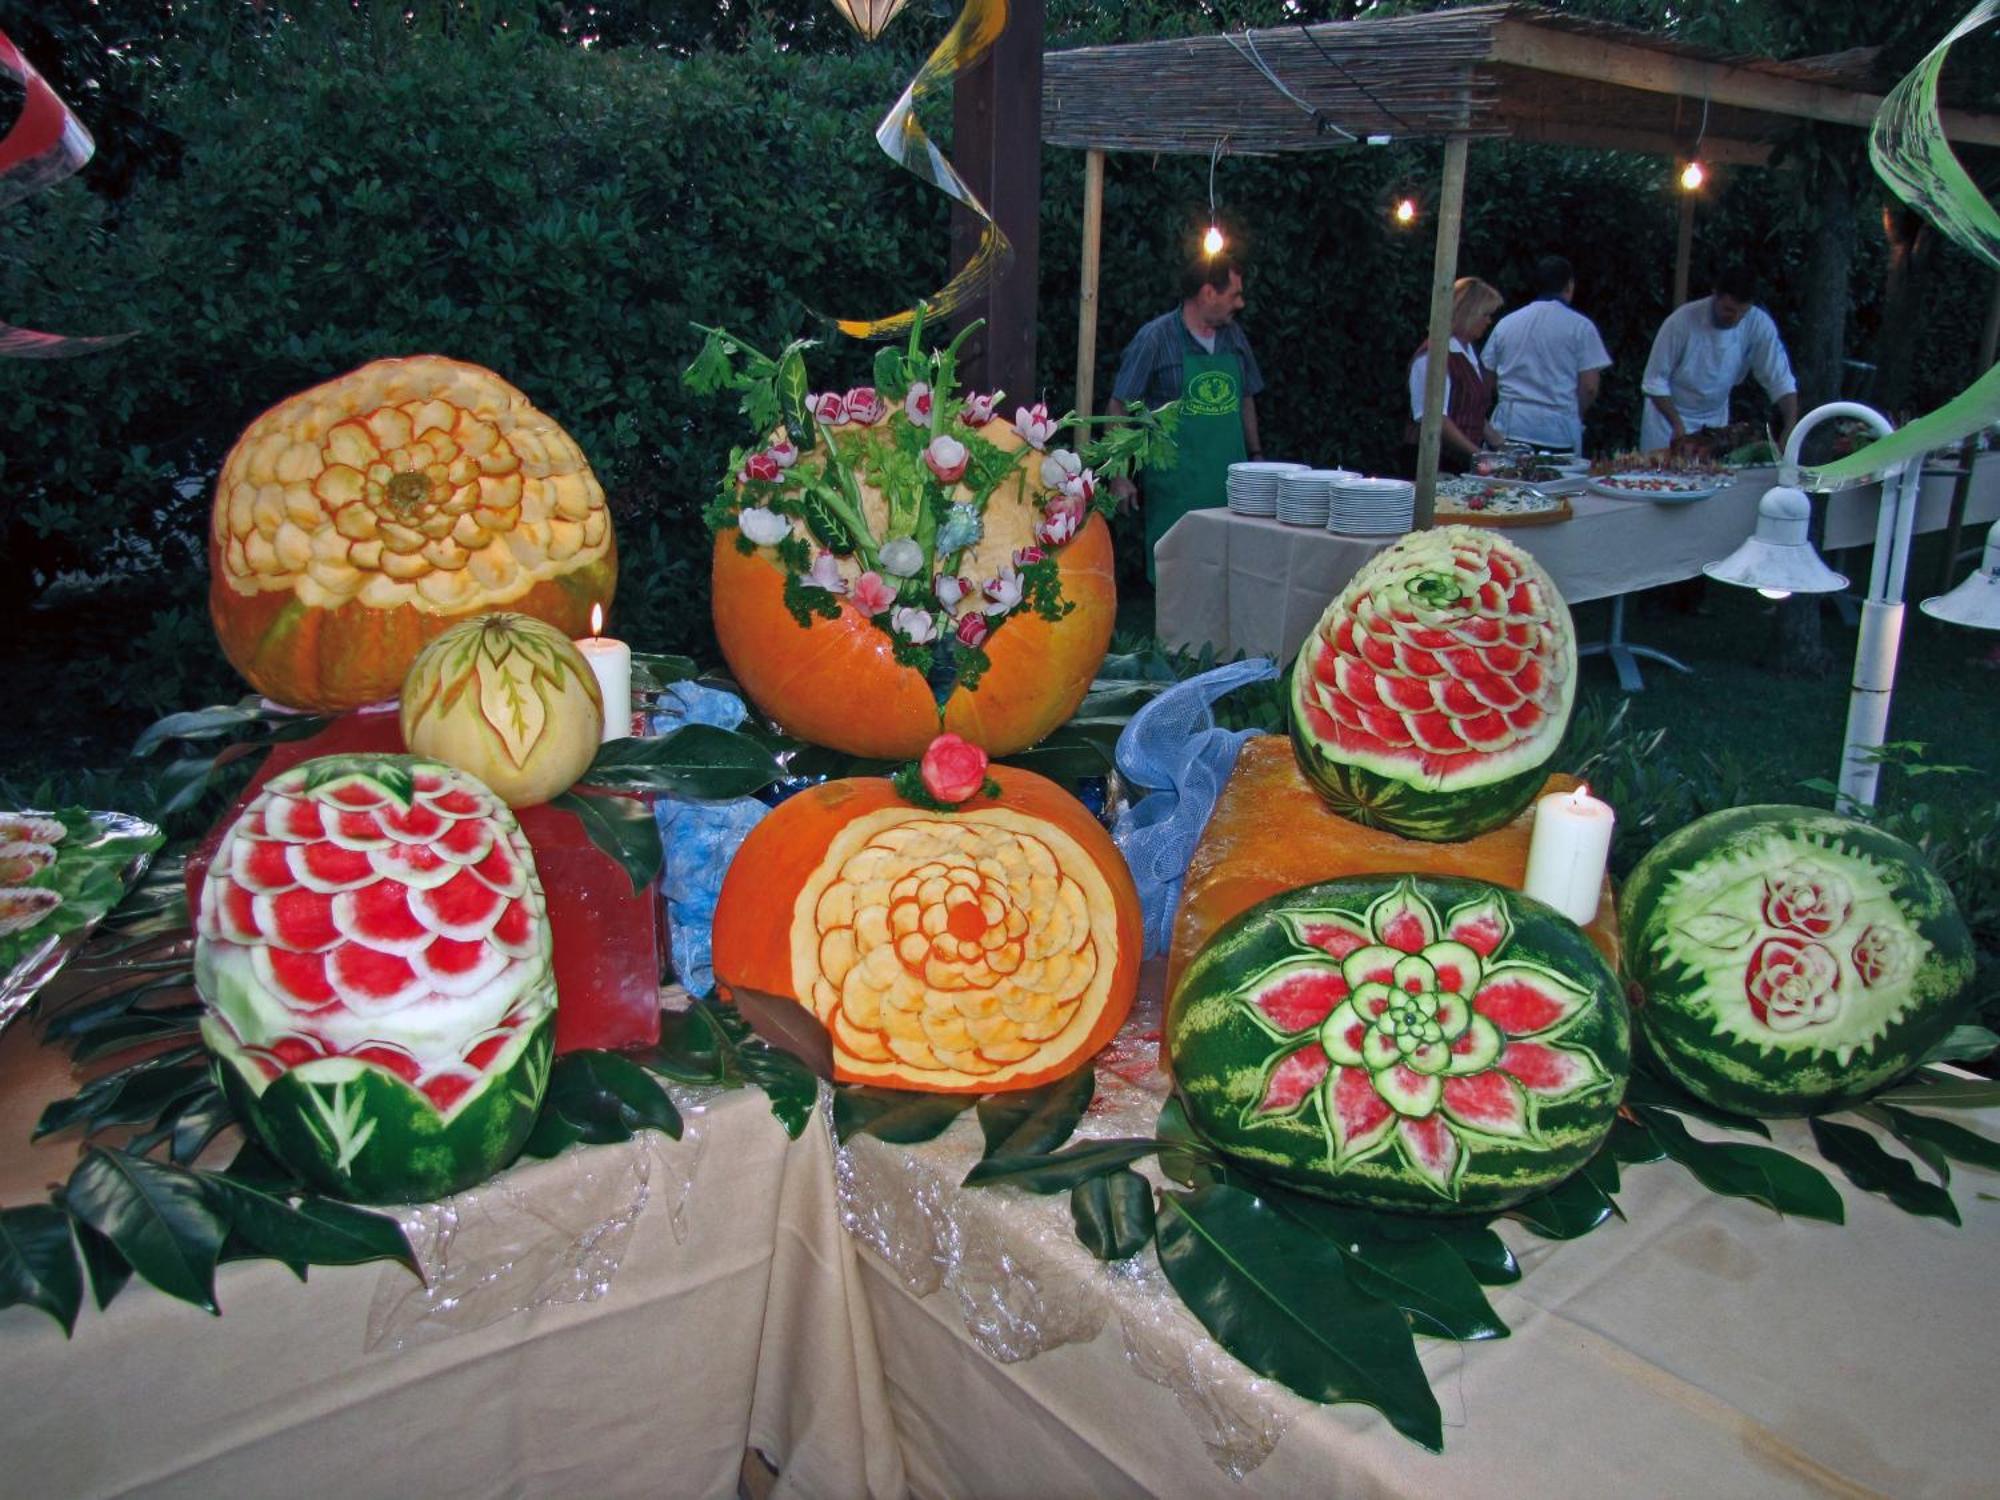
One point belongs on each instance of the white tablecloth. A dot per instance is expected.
(1257, 586)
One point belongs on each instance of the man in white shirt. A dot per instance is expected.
(1548, 359)
(1702, 352)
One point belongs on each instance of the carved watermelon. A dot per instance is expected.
(1791, 960)
(374, 953)
(1402, 1042)
(1436, 686)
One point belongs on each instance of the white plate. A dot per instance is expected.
(1683, 492)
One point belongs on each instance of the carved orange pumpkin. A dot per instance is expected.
(992, 946)
(355, 521)
(837, 682)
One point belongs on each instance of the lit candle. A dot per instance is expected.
(611, 664)
(1567, 856)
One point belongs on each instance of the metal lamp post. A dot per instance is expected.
(1975, 602)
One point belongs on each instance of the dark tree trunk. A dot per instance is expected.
(1910, 245)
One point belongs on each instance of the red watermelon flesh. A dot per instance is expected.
(378, 908)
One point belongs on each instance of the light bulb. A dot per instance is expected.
(1406, 210)
(1776, 593)
(1692, 177)
(1212, 242)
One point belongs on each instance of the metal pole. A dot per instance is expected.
(1444, 271)
(1086, 301)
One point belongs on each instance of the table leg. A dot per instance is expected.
(1624, 654)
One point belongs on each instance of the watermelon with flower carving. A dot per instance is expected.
(1407, 1042)
(1792, 960)
(1433, 691)
(374, 953)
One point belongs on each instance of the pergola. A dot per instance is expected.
(1495, 71)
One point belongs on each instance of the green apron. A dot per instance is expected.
(1211, 439)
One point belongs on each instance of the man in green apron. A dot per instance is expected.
(1199, 355)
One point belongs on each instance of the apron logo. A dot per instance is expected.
(1212, 393)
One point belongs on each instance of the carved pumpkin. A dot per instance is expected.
(355, 521)
(994, 945)
(812, 678)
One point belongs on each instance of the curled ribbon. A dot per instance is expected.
(47, 144)
(977, 28)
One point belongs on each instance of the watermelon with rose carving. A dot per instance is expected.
(1407, 1042)
(1436, 686)
(1791, 960)
(374, 953)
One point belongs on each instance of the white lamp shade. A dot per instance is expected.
(868, 17)
(1778, 558)
(1975, 602)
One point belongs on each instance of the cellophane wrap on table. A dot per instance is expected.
(514, 1243)
(1174, 750)
(701, 838)
(1023, 1283)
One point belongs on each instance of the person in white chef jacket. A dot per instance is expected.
(1548, 359)
(1702, 352)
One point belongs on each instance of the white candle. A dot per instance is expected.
(1567, 856)
(611, 664)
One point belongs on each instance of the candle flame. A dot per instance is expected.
(597, 619)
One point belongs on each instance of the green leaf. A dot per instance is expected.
(1762, 1174)
(693, 1048)
(1930, 1089)
(1861, 1157)
(1183, 1152)
(107, 1269)
(1954, 1141)
(623, 828)
(211, 723)
(1633, 1144)
(1485, 1254)
(38, 1266)
(551, 1136)
(895, 1115)
(1963, 1044)
(200, 1121)
(1113, 1214)
(313, 1231)
(791, 1087)
(159, 1217)
(1059, 1171)
(697, 760)
(1279, 1298)
(608, 1097)
(136, 1028)
(1602, 1170)
(1032, 1122)
(1570, 1209)
(130, 1096)
(1661, 1093)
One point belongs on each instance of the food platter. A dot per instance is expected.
(1659, 486)
(1491, 502)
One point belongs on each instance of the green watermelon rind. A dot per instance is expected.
(1221, 1055)
(414, 1153)
(1788, 1078)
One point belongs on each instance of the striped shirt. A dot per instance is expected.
(1150, 370)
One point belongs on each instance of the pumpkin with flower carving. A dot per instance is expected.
(359, 519)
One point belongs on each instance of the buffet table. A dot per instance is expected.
(1253, 586)
(620, 1320)
(1703, 1343)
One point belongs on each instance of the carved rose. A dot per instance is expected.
(1803, 899)
(952, 768)
(1792, 984)
(762, 467)
(1882, 955)
(871, 594)
(972, 629)
(864, 405)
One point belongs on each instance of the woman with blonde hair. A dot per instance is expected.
(1468, 385)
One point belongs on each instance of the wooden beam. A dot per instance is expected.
(1086, 300)
(1550, 131)
(1683, 250)
(1444, 271)
(997, 104)
(1526, 45)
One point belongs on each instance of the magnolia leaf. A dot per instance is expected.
(1059, 1171)
(1861, 1157)
(1032, 1122)
(107, 1269)
(202, 724)
(895, 1115)
(697, 760)
(1602, 1170)
(1952, 1140)
(1113, 1214)
(551, 1136)
(1485, 1254)
(608, 1098)
(1183, 1152)
(159, 1218)
(200, 1121)
(1279, 1298)
(663, 670)
(623, 828)
(1633, 1143)
(1930, 1089)
(1762, 1174)
(1567, 1211)
(1650, 1088)
(313, 1231)
(136, 1027)
(38, 1266)
(791, 1087)
(1963, 1044)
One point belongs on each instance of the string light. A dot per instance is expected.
(1212, 240)
(1693, 175)
(1405, 211)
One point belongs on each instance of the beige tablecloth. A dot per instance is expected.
(621, 1320)
(1701, 1346)
(1257, 586)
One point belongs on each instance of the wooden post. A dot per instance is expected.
(1683, 250)
(1954, 526)
(1086, 299)
(996, 146)
(1444, 271)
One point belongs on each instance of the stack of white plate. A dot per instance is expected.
(1253, 487)
(1305, 498)
(1371, 507)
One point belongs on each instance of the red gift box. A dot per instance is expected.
(608, 940)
